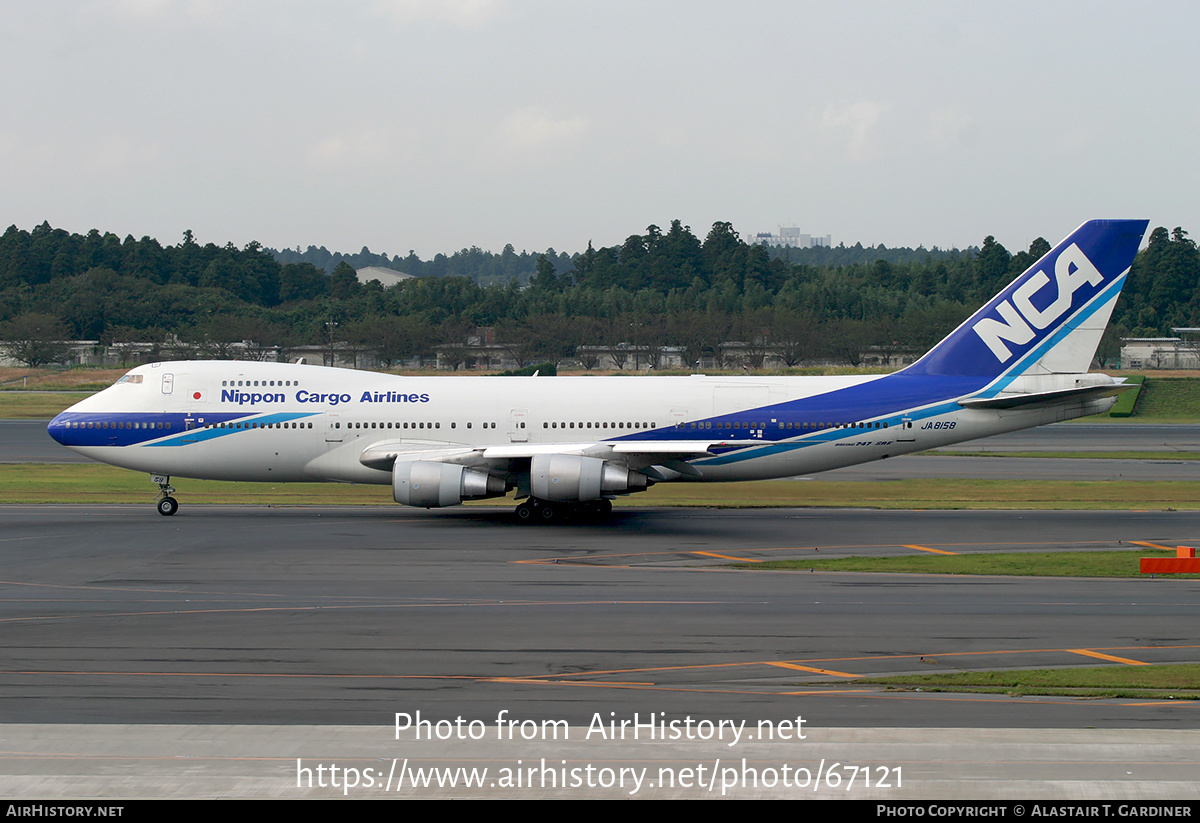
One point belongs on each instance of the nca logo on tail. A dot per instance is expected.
(1071, 270)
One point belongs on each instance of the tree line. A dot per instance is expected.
(657, 288)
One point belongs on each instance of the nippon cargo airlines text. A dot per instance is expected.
(242, 398)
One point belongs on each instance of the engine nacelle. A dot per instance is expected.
(569, 477)
(432, 485)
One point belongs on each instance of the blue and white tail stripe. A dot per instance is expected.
(1038, 324)
(1030, 312)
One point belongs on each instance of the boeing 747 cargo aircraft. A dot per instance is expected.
(570, 445)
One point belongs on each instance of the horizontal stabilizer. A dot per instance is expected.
(1045, 398)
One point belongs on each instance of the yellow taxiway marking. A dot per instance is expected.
(578, 561)
(1158, 703)
(543, 682)
(1152, 545)
(564, 676)
(926, 549)
(728, 557)
(812, 669)
(1114, 659)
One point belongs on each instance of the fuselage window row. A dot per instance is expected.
(555, 425)
(405, 425)
(227, 383)
(437, 425)
(258, 425)
(92, 424)
(813, 426)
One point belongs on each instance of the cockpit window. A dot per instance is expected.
(130, 378)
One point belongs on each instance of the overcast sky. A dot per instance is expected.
(438, 124)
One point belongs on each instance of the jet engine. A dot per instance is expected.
(432, 485)
(569, 477)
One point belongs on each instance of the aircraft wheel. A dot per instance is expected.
(604, 507)
(524, 512)
(168, 506)
(548, 513)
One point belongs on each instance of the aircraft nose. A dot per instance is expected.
(57, 429)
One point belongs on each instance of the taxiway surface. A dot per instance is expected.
(344, 616)
(234, 640)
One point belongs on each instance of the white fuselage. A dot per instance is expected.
(282, 422)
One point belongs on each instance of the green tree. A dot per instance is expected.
(35, 339)
(992, 265)
(545, 279)
(343, 283)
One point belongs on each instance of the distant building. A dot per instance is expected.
(627, 357)
(758, 355)
(1181, 352)
(791, 237)
(386, 277)
(474, 355)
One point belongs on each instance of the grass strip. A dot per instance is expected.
(94, 483)
(1169, 398)
(1170, 682)
(1126, 401)
(37, 405)
(1122, 563)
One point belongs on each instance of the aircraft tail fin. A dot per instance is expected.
(1050, 319)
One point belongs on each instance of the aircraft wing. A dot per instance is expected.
(675, 448)
(383, 454)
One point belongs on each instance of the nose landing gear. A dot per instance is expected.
(167, 505)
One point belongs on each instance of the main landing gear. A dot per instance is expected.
(535, 510)
(167, 505)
